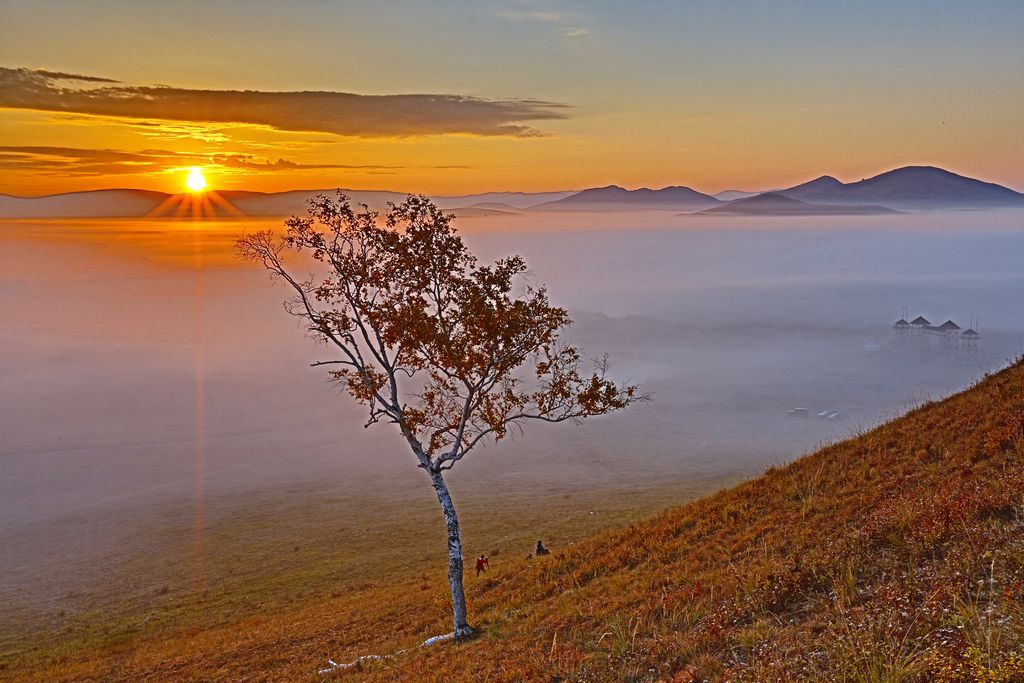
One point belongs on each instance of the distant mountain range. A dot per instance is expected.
(910, 188)
(286, 203)
(105, 203)
(902, 189)
(123, 203)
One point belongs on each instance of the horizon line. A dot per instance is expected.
(507, 191)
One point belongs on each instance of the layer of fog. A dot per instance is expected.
(113, 332)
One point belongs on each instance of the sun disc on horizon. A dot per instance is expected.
(195, 180)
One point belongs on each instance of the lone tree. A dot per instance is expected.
(429, 340)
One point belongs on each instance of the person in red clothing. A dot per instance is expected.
(482, 564)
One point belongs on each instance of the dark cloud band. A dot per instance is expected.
(313, 111)
(74, 161)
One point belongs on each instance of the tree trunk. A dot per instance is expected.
(461, 629)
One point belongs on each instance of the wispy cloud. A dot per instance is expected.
(537, 15)
(238, 137)
(567, 24)
(61, 76)
(75, 161)
(339, 113)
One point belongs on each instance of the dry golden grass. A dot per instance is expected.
(894, 556)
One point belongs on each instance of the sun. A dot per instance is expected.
(195, 180)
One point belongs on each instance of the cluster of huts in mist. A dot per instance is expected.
(948, 336)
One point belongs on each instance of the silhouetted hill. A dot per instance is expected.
(615, 198)
(919, 187)
(819, 188)
(775, 204)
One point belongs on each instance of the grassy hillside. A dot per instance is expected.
(894, 556)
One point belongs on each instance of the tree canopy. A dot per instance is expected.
(429, 338)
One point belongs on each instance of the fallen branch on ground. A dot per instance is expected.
(335, 666)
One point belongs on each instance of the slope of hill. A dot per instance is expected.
(920, 187)
(897, 555)
(615, 198)
(775, 204)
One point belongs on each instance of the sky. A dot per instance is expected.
(464, 97)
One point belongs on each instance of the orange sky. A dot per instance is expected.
(524, 96)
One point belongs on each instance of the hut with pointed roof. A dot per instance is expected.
(969, 345)
(902, 328)
(917, 328)
(948, 334)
